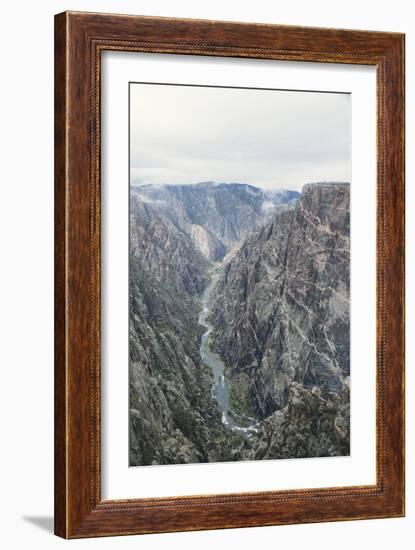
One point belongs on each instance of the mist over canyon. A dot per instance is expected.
(239, 322)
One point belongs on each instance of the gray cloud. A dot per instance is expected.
(269, 138)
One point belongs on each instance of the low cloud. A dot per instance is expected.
(268, 138)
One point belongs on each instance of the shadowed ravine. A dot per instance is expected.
(220, 388)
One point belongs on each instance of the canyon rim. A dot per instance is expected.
(239, 274)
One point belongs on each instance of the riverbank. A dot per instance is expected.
(221, 389)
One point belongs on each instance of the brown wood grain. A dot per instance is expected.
(79, 40)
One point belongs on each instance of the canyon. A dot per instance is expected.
(239, 322)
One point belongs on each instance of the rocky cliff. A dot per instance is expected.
(279, 312)
(308, 426)
(281, 306)
(173, 417)
(214, 216)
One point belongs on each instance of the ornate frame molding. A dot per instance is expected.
(79, 40)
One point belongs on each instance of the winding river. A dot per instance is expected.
(220, 388)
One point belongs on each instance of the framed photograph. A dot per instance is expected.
(229, 275)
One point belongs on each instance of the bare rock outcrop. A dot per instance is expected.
(281, 306)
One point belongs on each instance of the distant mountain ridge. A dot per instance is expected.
(215, 216)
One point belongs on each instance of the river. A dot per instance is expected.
(220, 388)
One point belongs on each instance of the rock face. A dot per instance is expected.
(164, 250)
(281, 306)
(173, 417)
(214, 215)
(308, 426)
(280, 312)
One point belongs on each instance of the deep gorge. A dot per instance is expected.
(278, 312)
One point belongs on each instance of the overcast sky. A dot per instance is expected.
(267, 138)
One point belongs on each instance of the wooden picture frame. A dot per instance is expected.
(79, 40)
